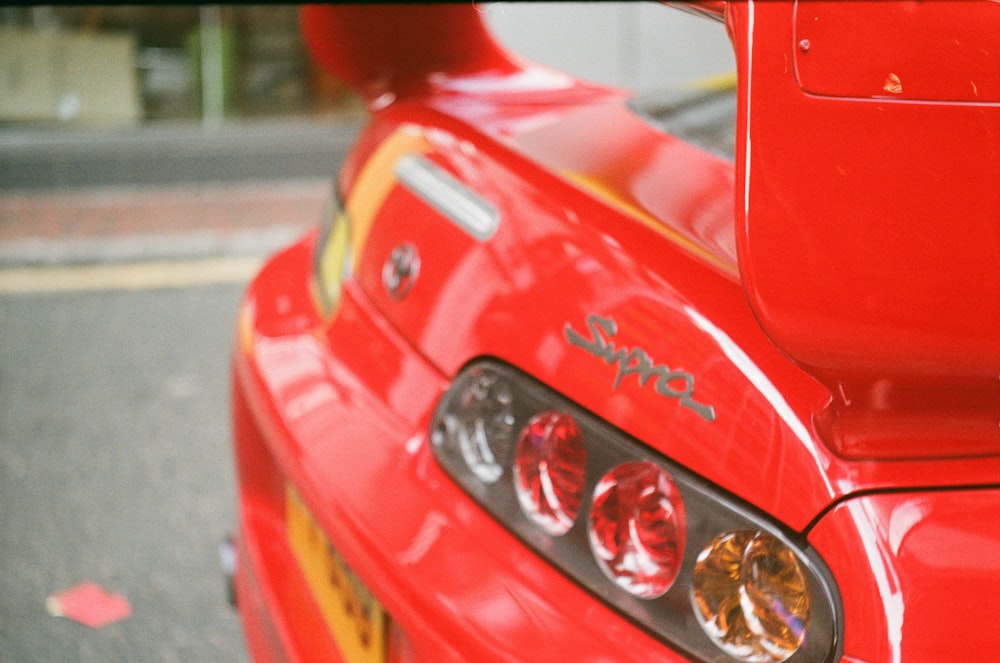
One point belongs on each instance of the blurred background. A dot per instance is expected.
(122, 95)
(129, 65)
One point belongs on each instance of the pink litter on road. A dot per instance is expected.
(89, 604)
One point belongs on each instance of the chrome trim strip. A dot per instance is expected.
(447, 195)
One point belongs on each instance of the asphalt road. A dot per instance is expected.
(152, 154)
(115, 467)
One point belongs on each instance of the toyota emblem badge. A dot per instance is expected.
(401, 270)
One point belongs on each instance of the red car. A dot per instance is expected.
(555, 383)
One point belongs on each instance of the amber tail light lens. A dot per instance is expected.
(681, 558)
(752, 597)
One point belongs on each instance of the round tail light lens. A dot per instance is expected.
(637, 528)
(549, 468)
(751, 596)
(480, 425)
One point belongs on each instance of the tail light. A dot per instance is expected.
(480, 424)
(673, 553)
(549, 470)
(752, 596)
(637, 528)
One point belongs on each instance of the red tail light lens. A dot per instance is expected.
(549, 467)
(637, 528)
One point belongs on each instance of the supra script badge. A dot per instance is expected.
(669, 383)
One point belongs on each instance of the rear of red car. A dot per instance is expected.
(552, 383)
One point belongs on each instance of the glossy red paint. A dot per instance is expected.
(896, 50)
(918, 573)
(394, 60)
(867, 221)
(353, 442)
(822, 412)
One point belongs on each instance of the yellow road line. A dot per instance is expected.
(128, 276)
(717, 83)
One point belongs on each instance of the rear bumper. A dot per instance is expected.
(339, 410)
(273, 601)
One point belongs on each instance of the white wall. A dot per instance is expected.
(647, 47)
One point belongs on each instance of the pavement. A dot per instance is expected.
(123, 256)
(139, 223)
(116, 469)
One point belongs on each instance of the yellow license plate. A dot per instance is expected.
(356, 620)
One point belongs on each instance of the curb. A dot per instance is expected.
(147, 223)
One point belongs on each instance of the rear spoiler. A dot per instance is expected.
(393, 52)
(387, 52)
(868, 188)
(868, 212)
